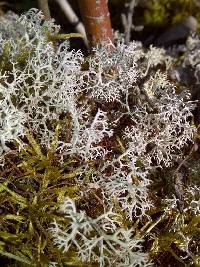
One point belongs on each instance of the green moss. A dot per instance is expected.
(168, 12)
(29, 199)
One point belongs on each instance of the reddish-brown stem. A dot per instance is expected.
(96, 19)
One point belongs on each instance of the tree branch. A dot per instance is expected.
(96, 19)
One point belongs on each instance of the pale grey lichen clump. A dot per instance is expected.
(50, 82)
(41, 87)
(98, 240)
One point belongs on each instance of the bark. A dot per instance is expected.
(96, 18)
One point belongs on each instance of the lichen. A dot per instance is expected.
(87, 147)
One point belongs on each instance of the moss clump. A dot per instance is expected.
(33, 185)
(165, 13)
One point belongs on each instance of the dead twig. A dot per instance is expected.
(178, 181)
(193, 148)
(127, 20)
(73, 18)
(44, 6)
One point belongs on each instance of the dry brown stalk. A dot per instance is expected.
(44, 6)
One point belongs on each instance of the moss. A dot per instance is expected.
(168, 12)
(30, 195)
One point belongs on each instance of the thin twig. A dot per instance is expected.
(178, 181)
(44, 6)
(127, 21)
(155, 223)
(73, 18)
(186, 158)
